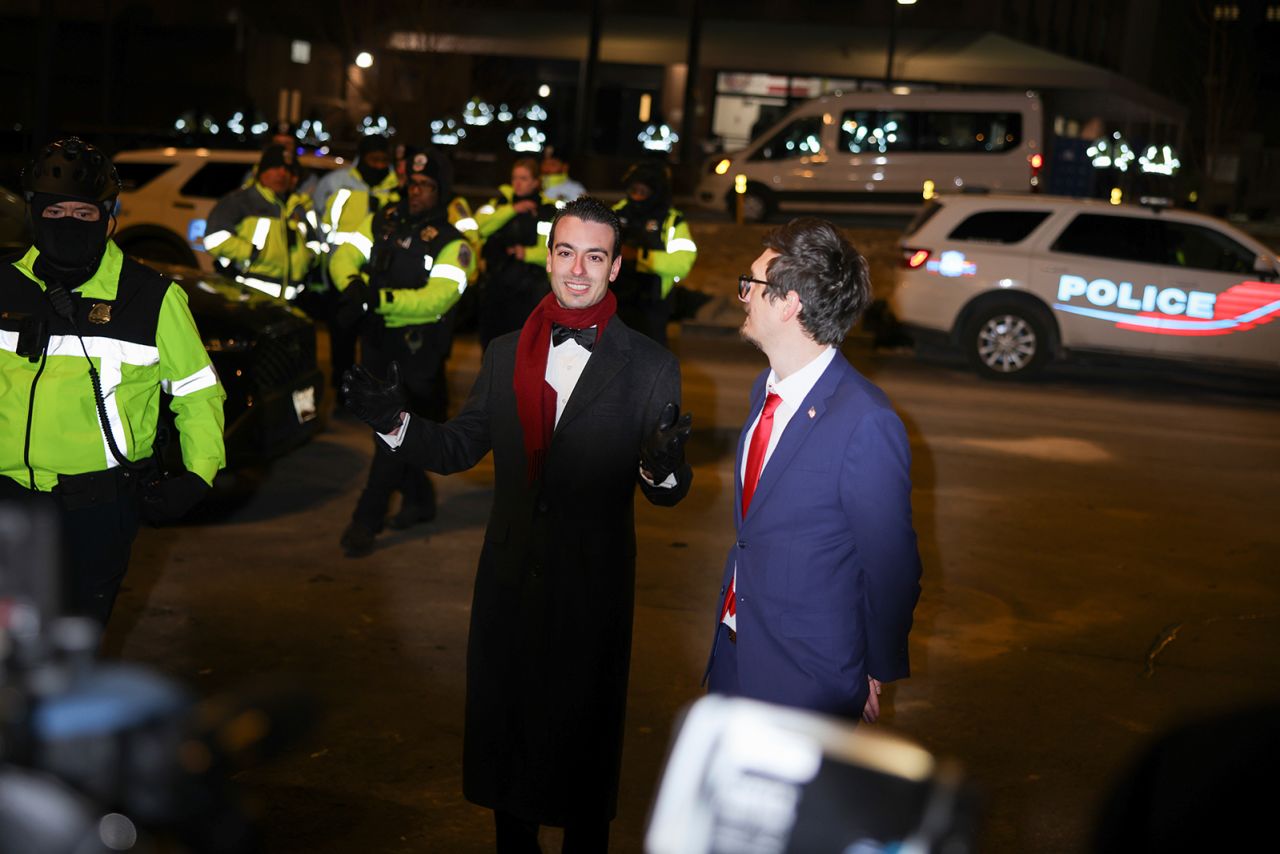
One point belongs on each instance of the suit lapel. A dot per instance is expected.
(610, 355)
(798, 429)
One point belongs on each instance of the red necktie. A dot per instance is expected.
(755, 454)
(755, 464)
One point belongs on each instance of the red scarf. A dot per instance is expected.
(535, 398)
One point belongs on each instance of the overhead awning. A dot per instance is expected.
(939, 57)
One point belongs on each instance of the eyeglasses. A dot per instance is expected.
(744, 286)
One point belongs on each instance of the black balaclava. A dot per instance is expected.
(654, 176)
(70, 249)
(373, 177)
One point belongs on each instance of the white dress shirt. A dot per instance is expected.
(565, 364)
(793, 390)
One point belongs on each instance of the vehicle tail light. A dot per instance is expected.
(1037, 162)
(913, 259)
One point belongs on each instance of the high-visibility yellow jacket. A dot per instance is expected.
(262, 240)
(141, 338)
(419, 270)
(493, 216)
(675, 259)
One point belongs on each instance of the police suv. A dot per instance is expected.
(1018, 280)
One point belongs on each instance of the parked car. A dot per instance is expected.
(1017, 280)
(265, 354)
(263, 350)
(169, 192)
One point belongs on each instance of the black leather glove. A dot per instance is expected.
(352, 303)
(170, 498)
(373, 401)
(63, 304)
(663, 451)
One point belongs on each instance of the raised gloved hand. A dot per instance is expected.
(663, 451)
(170, 498)
(373, 401)
(352, 303)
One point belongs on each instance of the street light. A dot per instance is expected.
(364, 59)
(893, 38)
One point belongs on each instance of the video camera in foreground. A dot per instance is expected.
(745, 777)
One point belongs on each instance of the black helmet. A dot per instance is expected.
(71, 167)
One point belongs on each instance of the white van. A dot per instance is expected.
(882, 152)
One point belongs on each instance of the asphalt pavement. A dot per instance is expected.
(1099, 565)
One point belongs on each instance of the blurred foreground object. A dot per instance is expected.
(98, 757)
(745, 777)
(1206, 785)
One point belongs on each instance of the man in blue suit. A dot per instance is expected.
(821, 582)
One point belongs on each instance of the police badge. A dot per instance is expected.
(429, 233)
(100, 313)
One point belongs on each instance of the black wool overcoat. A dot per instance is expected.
(550, 643)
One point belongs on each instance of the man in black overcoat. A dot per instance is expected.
(578, 410)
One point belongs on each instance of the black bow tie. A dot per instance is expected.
(586, 338)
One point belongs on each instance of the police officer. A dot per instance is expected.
(556, 183)
(371, 173)
(89, 340)
(657, 250)
(514, 226)
(345, 212)
(399, 277)
(259, 234)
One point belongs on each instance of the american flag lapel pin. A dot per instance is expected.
(813, 413)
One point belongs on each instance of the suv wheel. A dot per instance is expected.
(1007, 341)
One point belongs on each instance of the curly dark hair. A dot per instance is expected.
(589, 209)
(831, 277)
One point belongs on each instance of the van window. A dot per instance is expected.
(998, 226)
(863, 131)
(963, 131)
(1203, 248)
(215, 180)
(801, 138)
(134, 176)
(1125, 238)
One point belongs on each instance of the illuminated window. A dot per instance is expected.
(300, 51)
(1273, 13)
(801, 138)
(1226, 12)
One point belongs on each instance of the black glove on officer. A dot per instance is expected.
(373, 401)
(662, 453)
(352, 302)
(170, 498)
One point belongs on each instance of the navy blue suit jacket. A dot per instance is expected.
(828, 569)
